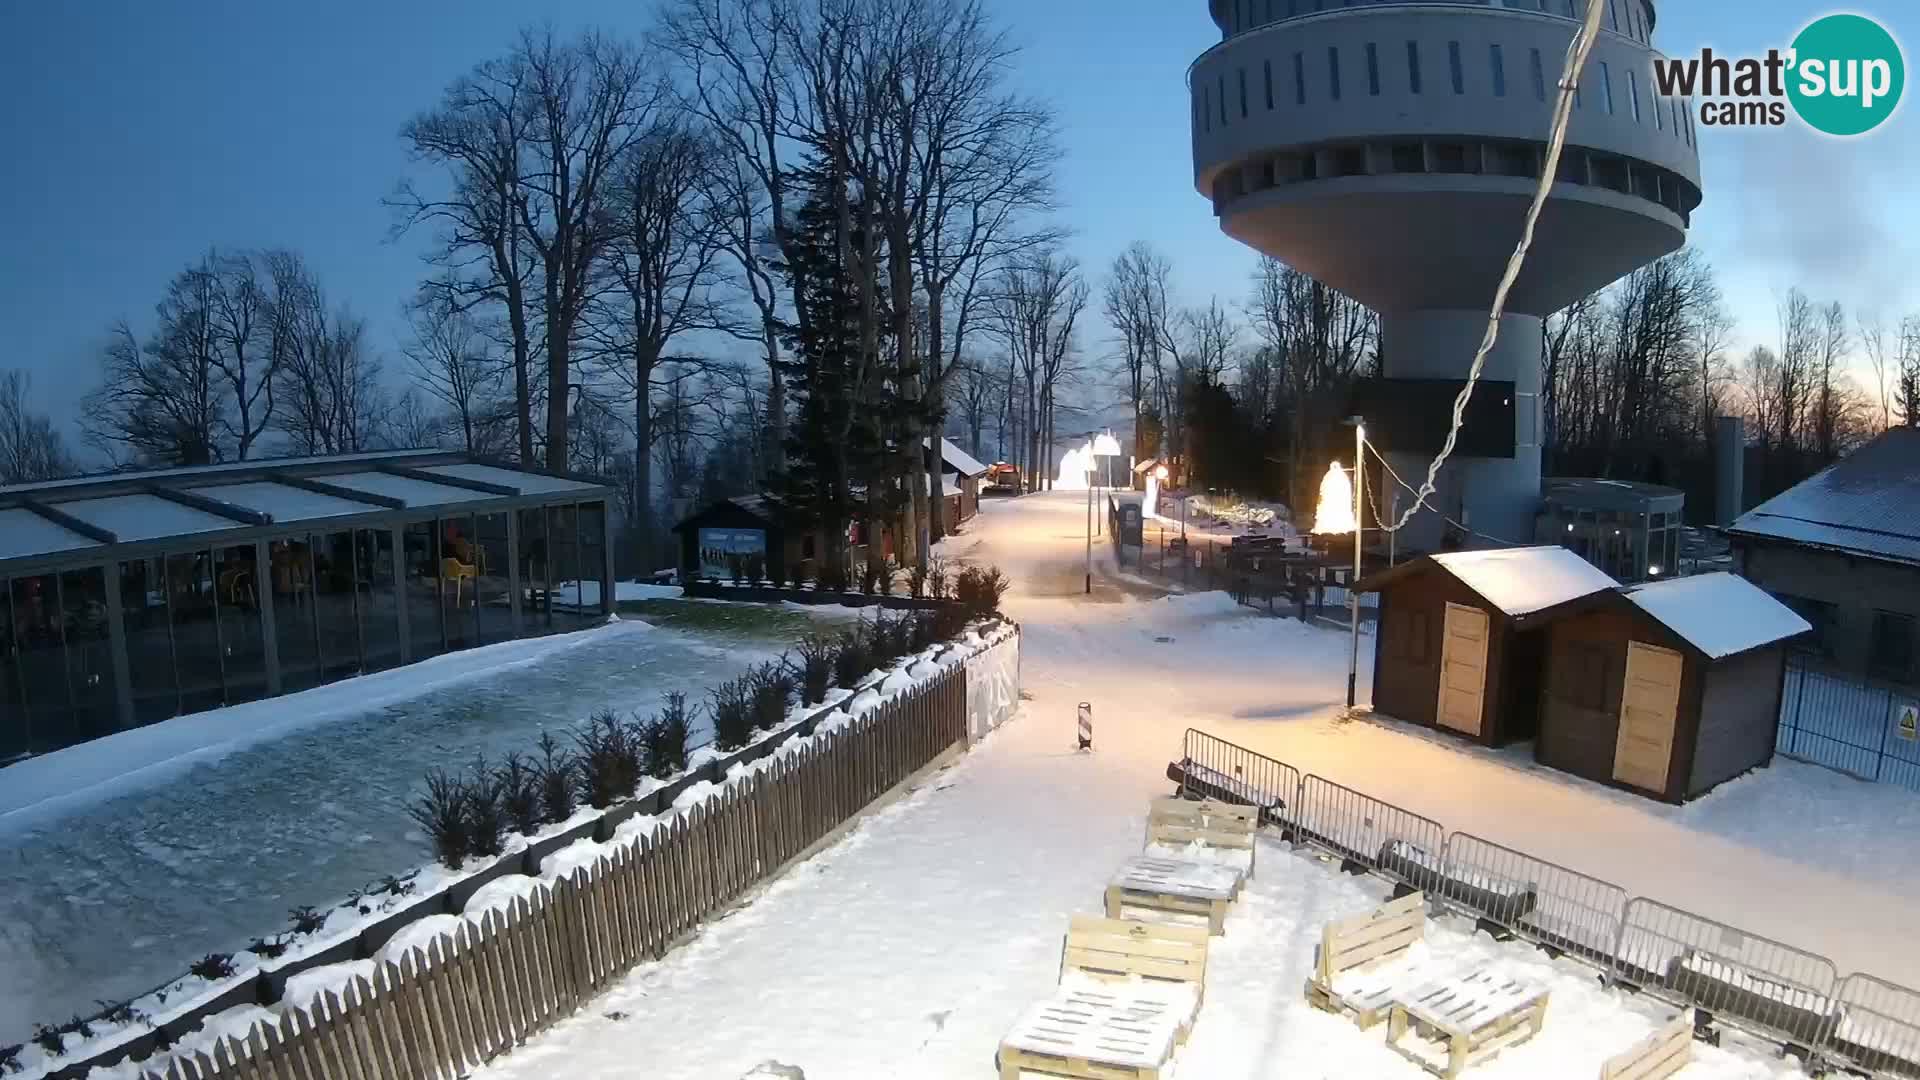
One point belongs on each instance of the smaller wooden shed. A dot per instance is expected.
(1667, 689)
(743, 529)
(1451, 650)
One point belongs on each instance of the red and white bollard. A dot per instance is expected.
(1086, 726)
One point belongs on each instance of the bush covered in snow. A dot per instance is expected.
(980, 589)
(441, 813)
(666, 737)
(816, 667)
(731, 706)
(554, 772)
(609, 752)
(773, 685)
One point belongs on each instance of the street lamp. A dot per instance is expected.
(1359, 531)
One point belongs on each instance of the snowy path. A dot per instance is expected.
(105, 896)
(910, 948)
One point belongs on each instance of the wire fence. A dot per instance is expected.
(1765, 987)
(1864, 727)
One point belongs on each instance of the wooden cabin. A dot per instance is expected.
(1666, 689)
(1459, 645)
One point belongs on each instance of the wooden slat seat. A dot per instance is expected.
(1453, 1022)
(1174, 890)
(1364, 961)
(1655, 1057)
(1205, 830)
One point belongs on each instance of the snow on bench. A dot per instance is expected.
(1128, 994)
(1213, 784)
(1453, 1022)
(1719, 986)
(1174, 890)
(1502, 899)
(1362, 962)
(1655, 1057)
(1203, 831)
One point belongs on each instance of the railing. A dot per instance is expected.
(440, 1006)
(1765, 987)
(1853, 724)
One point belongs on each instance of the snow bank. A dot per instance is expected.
(419, 935)
(1523, 580)
(1720, 614)
(305, 990)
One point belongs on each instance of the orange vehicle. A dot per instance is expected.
(1003, 477)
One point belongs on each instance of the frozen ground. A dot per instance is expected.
(112, 881)
(910, 948)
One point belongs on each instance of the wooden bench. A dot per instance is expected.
(1362, 961)
(1128, 995)
(1223, 828)
(1451, 1023)
(1659, 1055)
(1174, 889)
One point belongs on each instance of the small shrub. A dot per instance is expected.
(949, 622)
(609, 759)
(773, 687)
(922, 630)
(666, 738)
(213, 966)
(519, 793)
(731, 705)
(939, 577)
(486, 811)
(889, 636)
(269, 950)
(442, 814)
(980, 589)
(558, 780)
(10, 1058)
(851, 659)
(396, 886)
(816, 668)
(917, 579)
(118, 1012)
(307, 920)
(49, 1038)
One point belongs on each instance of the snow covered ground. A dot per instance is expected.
(114, 877)
(910, 948)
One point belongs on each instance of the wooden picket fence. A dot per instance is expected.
(437, 1012)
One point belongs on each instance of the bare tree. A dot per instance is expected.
(1136, 307)
(327, 381)
(1873, 342)
(410, 424)
(979, 384)
(1038, 304)
(452, 363)
(1906, 379)
(160, 402)
(1766, 410)
(1796, 369)
(31, 448)
(1832, 342)
(238, 314)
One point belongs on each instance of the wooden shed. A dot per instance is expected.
(1458, 645)
(1668, 688)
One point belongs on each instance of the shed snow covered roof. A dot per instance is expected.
(1867, 503)
(959, 460)
(1719, 614)
(1520, 581)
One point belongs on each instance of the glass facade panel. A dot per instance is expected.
(83, 605)
(593, 558)
(336, 605)
(460, 560)
(421, 546)
(151, 666)
(537, 603)
(293, 626)
(378, 596)
(196, 631)
(237, 596)
(13, 703)
(563, 539)
(41, 655)
(493, 603)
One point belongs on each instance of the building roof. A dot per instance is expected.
(1719, 614)
(76, 519)
(1517, 581)
(1590, 493)
(959, 460)
(1867, 503)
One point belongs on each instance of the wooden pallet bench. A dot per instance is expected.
(1128, 994)
(1174, 890)
(1223, 830)
(1655, 1057)
(1363, 961)
(1449, 1024)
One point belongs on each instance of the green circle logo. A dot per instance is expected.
(1846, 75)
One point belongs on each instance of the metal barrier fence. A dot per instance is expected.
(1752, 982)
(1879, 1027)
(1397, 844)
(1746, 981)
(1544, 902)
(1214, 768)
(1853, 724)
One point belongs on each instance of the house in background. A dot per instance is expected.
(1842, 549)
(960, 478)
(1667, 688)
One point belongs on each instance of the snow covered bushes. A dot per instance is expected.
(731, 706)
(442, 814)
(609, 758)
(816, 668)
(980, 589)
(665, 738)
(772, 692)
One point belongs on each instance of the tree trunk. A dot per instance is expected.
(935, 405)
(644, 360)
(559, 392)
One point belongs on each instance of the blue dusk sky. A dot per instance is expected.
(138, 134)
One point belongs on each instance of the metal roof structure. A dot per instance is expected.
(74, 520)
(1589, 493)
(1865, 504)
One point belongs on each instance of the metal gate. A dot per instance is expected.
(1541, 901)
(1213, 768)
(1392, 842)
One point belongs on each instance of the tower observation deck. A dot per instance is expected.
(1390, 150)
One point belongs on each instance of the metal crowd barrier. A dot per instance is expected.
(1756, 983)
(1214, 768)
(1544, 902)
(1397, 844)
(1879, 1027)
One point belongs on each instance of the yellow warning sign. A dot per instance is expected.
(1910, 722)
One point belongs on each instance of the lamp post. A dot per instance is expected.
(1359, 531)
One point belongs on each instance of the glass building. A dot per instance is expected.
(134, 597)
(1629, 530)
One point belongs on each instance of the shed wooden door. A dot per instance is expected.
(1463, 669)
(1649, 709)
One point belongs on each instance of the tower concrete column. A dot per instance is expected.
(1496, 497)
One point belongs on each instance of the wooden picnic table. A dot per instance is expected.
(1175, 887)
(1102, 1037)
(1464, 1020)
